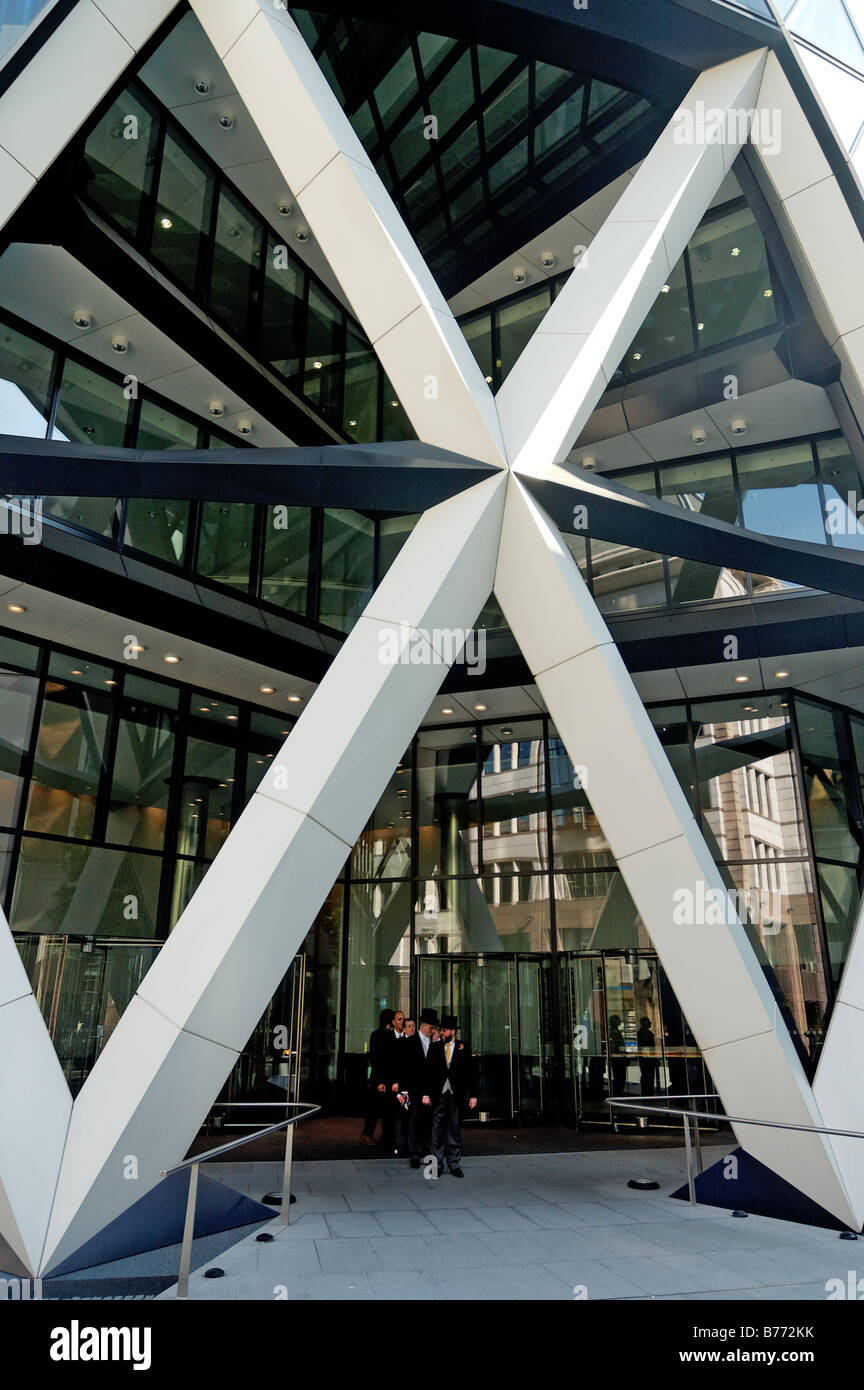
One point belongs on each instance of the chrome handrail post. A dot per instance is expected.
(690, 1182)
(188, 1232)
(285, 1213)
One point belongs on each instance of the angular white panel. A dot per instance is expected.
(790, 153)
(15, 184)
(758, 1074)
(136, 20)
(132, 1118)
(55, 92)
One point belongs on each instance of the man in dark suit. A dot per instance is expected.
(414, 1057)
(450, 1078)
(382, 1084)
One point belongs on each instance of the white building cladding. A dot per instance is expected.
(62, 1166)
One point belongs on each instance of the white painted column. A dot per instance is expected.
(198, 1004)
(565, 368)
(659, 849)
(35, 1106)
(814, 219)
(358, 227)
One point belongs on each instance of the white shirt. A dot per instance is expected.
(425, 1039)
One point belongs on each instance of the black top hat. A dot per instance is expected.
(449, 1021)
(429, 1016)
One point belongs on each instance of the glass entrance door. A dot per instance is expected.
(502, 1003)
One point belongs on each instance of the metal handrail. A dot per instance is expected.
(646, 1107)
(196, 1160)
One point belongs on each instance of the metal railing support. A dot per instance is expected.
(188, 1232)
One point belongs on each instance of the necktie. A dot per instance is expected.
(449, 1052)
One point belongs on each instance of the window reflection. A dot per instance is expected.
(25, 384)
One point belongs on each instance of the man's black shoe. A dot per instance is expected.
(457, 1173)
(415, 1163)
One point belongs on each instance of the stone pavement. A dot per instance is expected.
(516, 1227)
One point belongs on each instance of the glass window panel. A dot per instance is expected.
(83, 988)
(561, 124)
(410, 147)
(225, 544)
(153, 692)
(205, 798)
(706, 487)
(776, 903)
(325, 363)
(73, 670)
(447, 803)
(516, 324)
(286, 557)
(119, 163)
(492, 62)
(82, 890)
(826, 24)
(360, 404)
(15, 653)
(451, 97)
(509, 167)
(275, 728)
(379, 958)
(393, 532)
(732, 291)
(513, 785)
(68, 763)
(478, 335)
(347, 567)
(159, 527)
(511, 915)
(434, 47)
(828, 779)
(667, 330)
(143, 764)
(182, 213)
(840, 895)
(236, 261)
(842, 92)
(843, 493)
(508, 110)
(593, 907)
(626, 579)
(283, 312)
(462, 155)
(161, 428)
(17, 703)
(25, 384)
(547, 79)
(99, 514)
(779, 493)
(384, 848)
(187, 878)
(578, 841)
(92, 408)
(747, 783)
(214, 711)
(397, 88)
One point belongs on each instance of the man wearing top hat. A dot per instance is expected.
(450, 1086)
(414, 1054)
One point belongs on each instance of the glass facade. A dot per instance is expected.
(465, 136)
(720, 291)
(140, 170)
(118, 790)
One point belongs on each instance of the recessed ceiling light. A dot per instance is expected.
(76, 673)
(751, 709)
(664, 289)
(352, 424)
(110, 682)
(489, 379)
(165, 223)
(637, 357)
(16, 608)
(766, 294)
(741, 679)
(784, 704)
(317, 366)
(232, 717)
(267, 689)
(736, 251)
(699, 327)
(172, 660)
(204, 709)
(505, 733)
(481, 707)
(294, 699)
(446, 710)
(781, 675)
